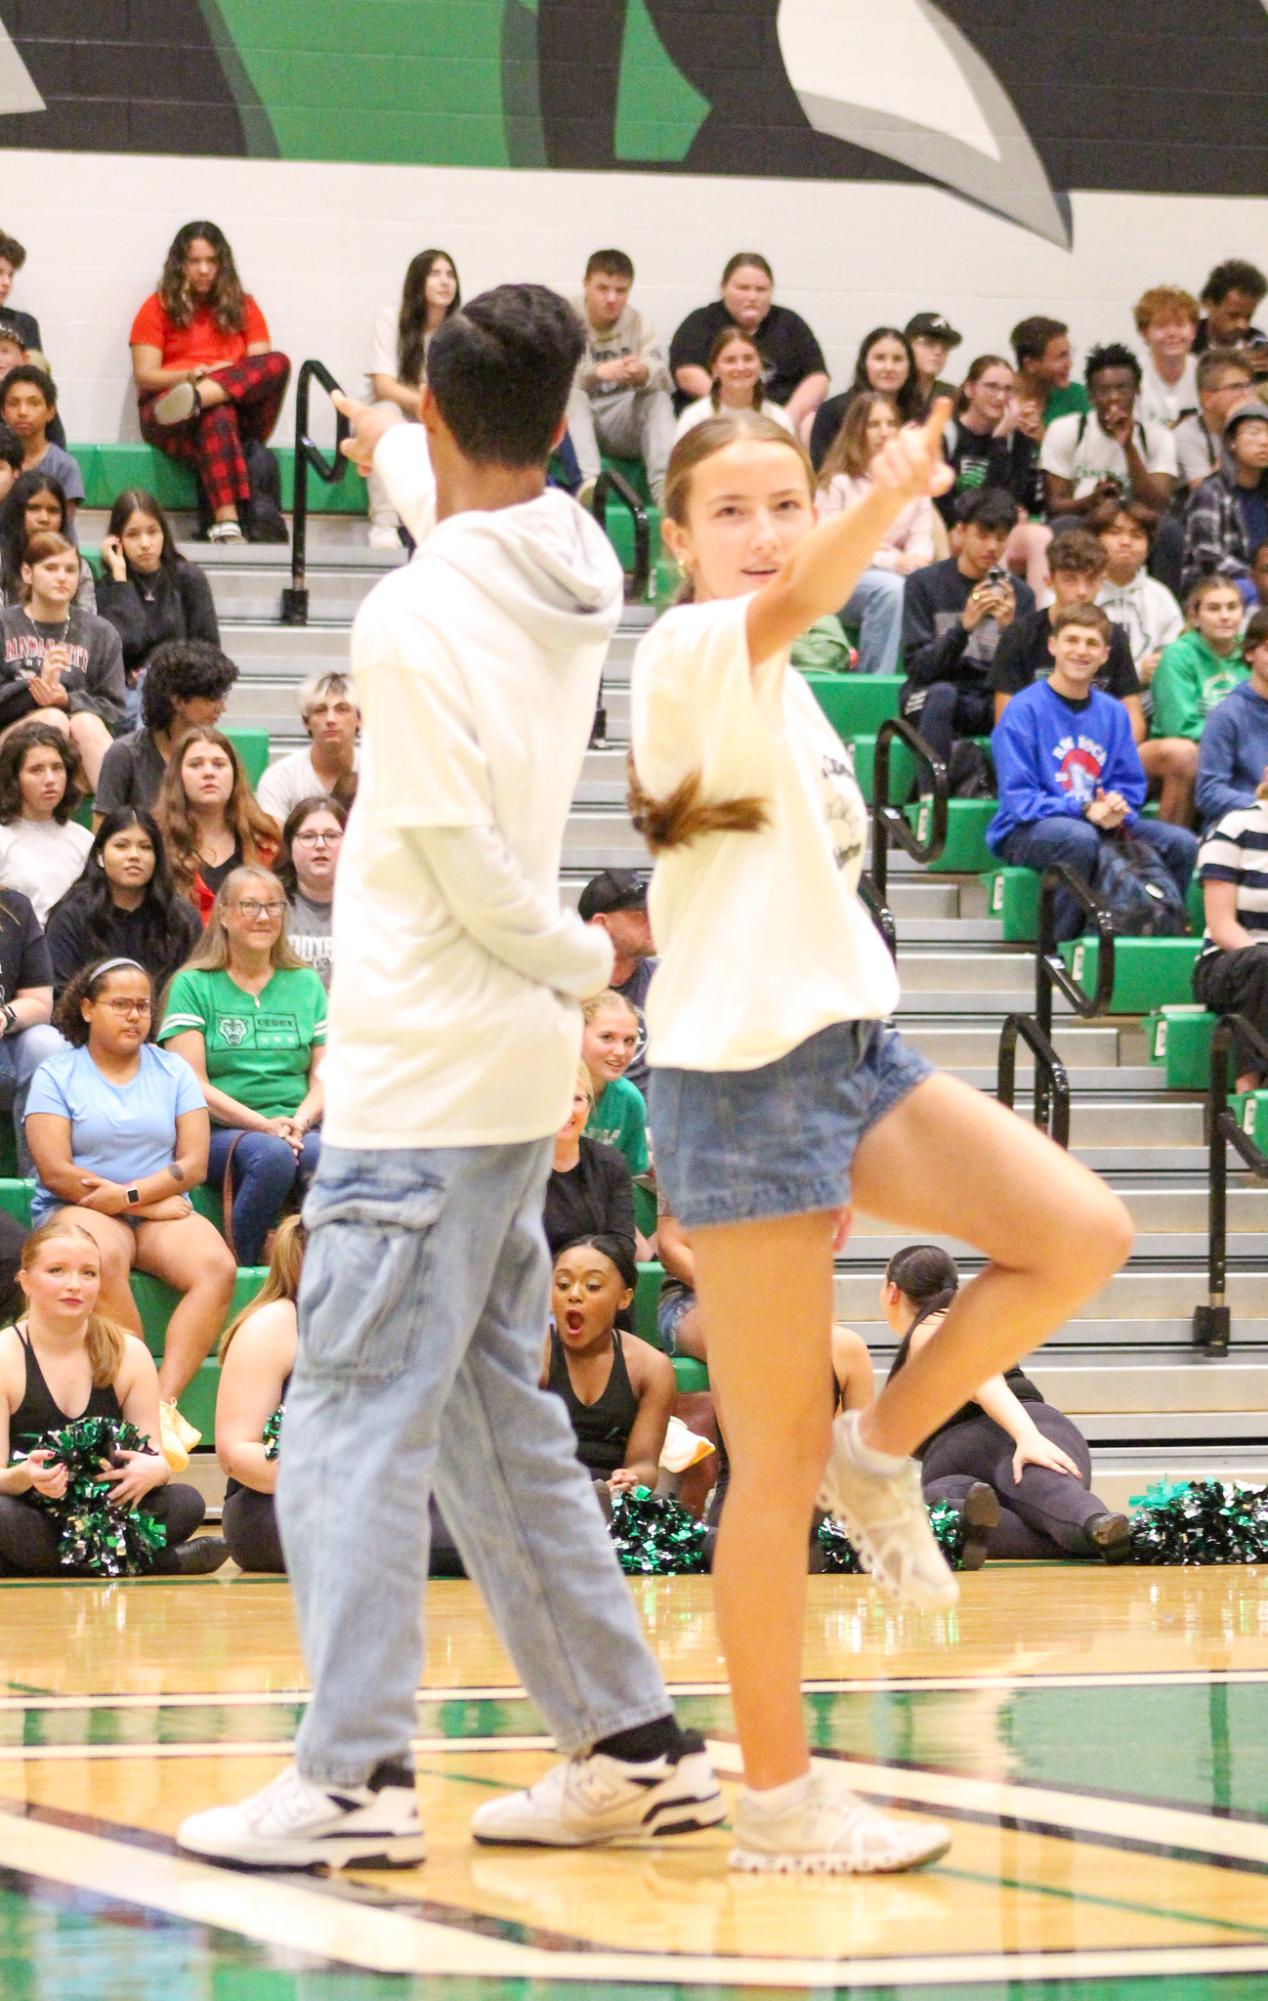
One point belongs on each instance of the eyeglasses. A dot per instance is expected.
(250, 906)
(307, 840)
(126, 1006)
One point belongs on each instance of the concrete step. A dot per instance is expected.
(1116, 1334)
(1153, 1381)
(1142, 1294)
(953, 1045)
(1135, 1124)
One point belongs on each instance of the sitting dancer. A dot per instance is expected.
(257, 1355)
(455, 1034)
(618, 1391)
(778, 1095)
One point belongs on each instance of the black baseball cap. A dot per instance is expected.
(615, 889)
(932, 326)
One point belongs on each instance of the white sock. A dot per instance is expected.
(770, 1801)
(872, 1460)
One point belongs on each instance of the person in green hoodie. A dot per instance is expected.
(1196, 671)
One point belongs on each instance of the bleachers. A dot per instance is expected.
(1126, 1368)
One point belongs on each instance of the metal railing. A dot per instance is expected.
(331, 470)
(889, 822)
(614, 482)
(1051, 1107)
(1212, 1321)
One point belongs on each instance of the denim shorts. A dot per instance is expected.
(671, 1309)
(736, 1145)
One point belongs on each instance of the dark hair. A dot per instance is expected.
(974, 373)
(1106, 513)
(38, 736)
(1077, 553)
(907, 398)
(500, 371)
(179, 671)
(11, 250)
(1030, 339)
(1233, 275)
(135, 500)
(1111, 354)
(38, 378)
(926, 1275)
(612, 263)
(1256, 630)
(11, 453)
(1260, 549)
(989, 507)
(160, 944)
(84, 985)
(316, 802)
(228, 300)
(13, 524)
(742, 257)
(411, 325)
(1086, 614)
(615, 1249)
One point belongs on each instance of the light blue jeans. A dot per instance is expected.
(876, 607)
(422, 1316)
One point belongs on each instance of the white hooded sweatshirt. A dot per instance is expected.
(453, 1007)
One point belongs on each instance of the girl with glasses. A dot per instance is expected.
(311, 841)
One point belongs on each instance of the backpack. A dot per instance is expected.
(824, 648)
(970, 771)
(1136, 889)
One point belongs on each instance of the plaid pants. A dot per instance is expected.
(212, 441)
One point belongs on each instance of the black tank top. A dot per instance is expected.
(602, 1429)
(37, 1413)
(1020, 1384)
(233, 1486)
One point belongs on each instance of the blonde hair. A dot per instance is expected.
(211, 953)
(585, 1084)
(609, 998)
(683, 817)
(104, 1339)
(290, 1241)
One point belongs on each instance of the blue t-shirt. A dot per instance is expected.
(120, 1131)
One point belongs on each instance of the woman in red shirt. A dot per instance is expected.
(210, 385)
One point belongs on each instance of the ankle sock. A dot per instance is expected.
(644, 1742)
(871, 1460)
(391, 1773)
(770, 1801)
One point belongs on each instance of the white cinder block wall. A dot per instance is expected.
(322, 247)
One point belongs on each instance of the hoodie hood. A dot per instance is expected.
(546, 563)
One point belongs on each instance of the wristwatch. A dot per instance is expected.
(134, 1198)
(10, 1018)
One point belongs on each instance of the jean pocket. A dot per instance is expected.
(363, 1297)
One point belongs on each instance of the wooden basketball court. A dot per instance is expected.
(1097, 1739)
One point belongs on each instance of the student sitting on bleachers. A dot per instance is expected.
(306, 869)
(186, 686)
(1029, 1454)
(119, 1133)
(608, 1042)
(26, 1006)
(954, 614)
(1230, 975)
(678, 1321)
(1196, 672)
(147, 590)
(590, 1191)
(1233, 753)
(1076, 565)
(62, 666)
(210, 385)
(794, 371)
(28, 405)
(735, 372)
(618, 1391)
(209, 821)
(10, 473)
(616, 901)
(331, 719)
(620, 399)
(397, 363)
(261, 1083)
(35, 504)
(27, 327)
(123, 905)
(64, 1360)
(1228, 514)
(886, 366)
(1137, 603)
(42, 848)
(1069, 772)
(257, 1354)
(875, 605)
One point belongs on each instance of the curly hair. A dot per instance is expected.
(411, 326)
(256, 831)
(84, 985)
(13, 753)
(1111, 354)
(228, 300)
(179, 670)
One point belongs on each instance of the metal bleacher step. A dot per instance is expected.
(1137, 1296)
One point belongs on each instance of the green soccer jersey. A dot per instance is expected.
(619, 1119)
(1063, 402)
(259, 1046)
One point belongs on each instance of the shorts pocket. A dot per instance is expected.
(364, 1295)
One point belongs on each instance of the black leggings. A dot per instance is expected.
(28, 1537)
(249, 1527)
(946, 710)
(1236, 983)
(1043, 1514)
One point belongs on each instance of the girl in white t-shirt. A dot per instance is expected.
(396, 365)
(779, 1097)
(735, 370)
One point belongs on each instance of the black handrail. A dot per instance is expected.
(295, 600)
(1212, 1321)
(881, 916)
(1052, 1083)
(889, 822)
(615, 482)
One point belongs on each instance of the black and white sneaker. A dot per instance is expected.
(294, 1824)
(595, 1800)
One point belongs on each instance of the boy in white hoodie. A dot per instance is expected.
(455, 1034)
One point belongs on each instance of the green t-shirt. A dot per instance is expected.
(1063, 402)
(619, 1119)
(1190, 680)
(259, 1046)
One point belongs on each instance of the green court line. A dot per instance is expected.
(1108, 1903)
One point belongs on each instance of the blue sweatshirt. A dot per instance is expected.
(1052, 755)
(1232, 754)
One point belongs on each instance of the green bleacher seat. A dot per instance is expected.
(1013, 895)
(156, 1303)
(1149, 973)
(1252, 1115)
(107, 469)
(645, 1209)
(15, 1197)
(965, 852)
(902, 768)
(855, 703)
(208, 1203)
(651, 1277)
(252, 747)
(1179, 1039)
(689, 1374)
(1195, 904)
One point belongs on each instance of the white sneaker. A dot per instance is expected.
(588, 1801)
(383, 535)
(293, 1824)
(176, 405)
(885, 1517)
(832, 1833)
(224, 531)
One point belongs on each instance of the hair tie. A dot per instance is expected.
(113, 965)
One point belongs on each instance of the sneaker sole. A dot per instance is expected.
(920, 1598)
(675, 1818)
(785, 1862)
(404, 1851)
